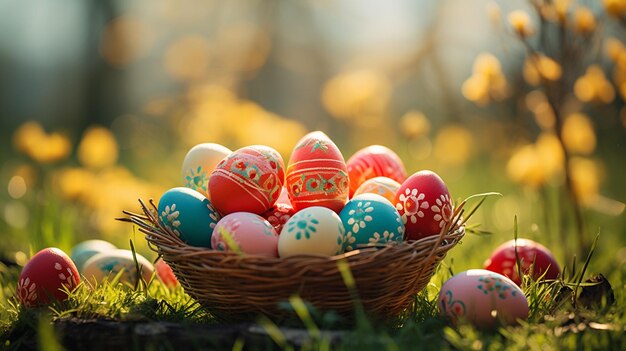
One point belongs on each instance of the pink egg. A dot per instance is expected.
(374, 161)
(247, 180)
(45, 276)
(531, 255)
(279, 215)
(424, 203)
(165, 273)
(484, 298)
(317, 174)
(247, 232)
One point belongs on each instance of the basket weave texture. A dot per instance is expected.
(235, 287)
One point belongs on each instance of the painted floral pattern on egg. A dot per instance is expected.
(27, 292)
(303, 227)
(317, 174)
(424, 203)
(412, 204)
(189, 215)
(370, 220)
(45, 277)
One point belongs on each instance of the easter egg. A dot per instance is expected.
(165, 273)
(383, 186)
(314, 230)
(199, 163)
(424, 203)
(248, 180)
(283, 198)
(275, 160)
(531, 255)
(370, 220)
(44, 278)
(245, 232)
(83, 251)
(317, 174)
(484, 298)
(109, 264)
(279, 215)
(188, 214)
(374, 161)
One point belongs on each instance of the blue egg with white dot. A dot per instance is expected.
(371, 220)
(189, 215)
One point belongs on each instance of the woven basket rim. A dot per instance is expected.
(149, 224)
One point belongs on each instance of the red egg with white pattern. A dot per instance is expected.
(247, 233)
(165, 273)
(247, 180)
(424, 203)
(374, 161)
(45, 277)
(317, 174)
(279, 215)
(531, 254)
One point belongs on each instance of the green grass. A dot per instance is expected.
(553, 323)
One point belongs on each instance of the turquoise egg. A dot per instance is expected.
(188, 214)
(83, 251)
(370, 220)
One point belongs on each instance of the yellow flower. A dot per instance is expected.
(562, 8)
(34, 142)
(540, 67)
(414, 125)
(537, 102)
(578, 134)
(72, 183)
(487, 81)
(124, 40)
(188, 58)
(520, 22)
(524, 167)
(536, 164)
(594, 87)
(615, 8)
(98, 148)
(356, 93)
(453, 145)
(586, 176)
(584, 21)
(614, 48)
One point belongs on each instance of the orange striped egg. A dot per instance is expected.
(374, 161)
(383, 186)
(248, 180)
(317, 174)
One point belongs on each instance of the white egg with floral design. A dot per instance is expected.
(370, 220)
(189, 215)
(198, 164)
(314, 231)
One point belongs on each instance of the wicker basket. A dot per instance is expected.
(235, 287)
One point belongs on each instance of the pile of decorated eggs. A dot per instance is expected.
(51, 273)
(251, 202)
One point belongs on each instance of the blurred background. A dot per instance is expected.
(100, 101)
